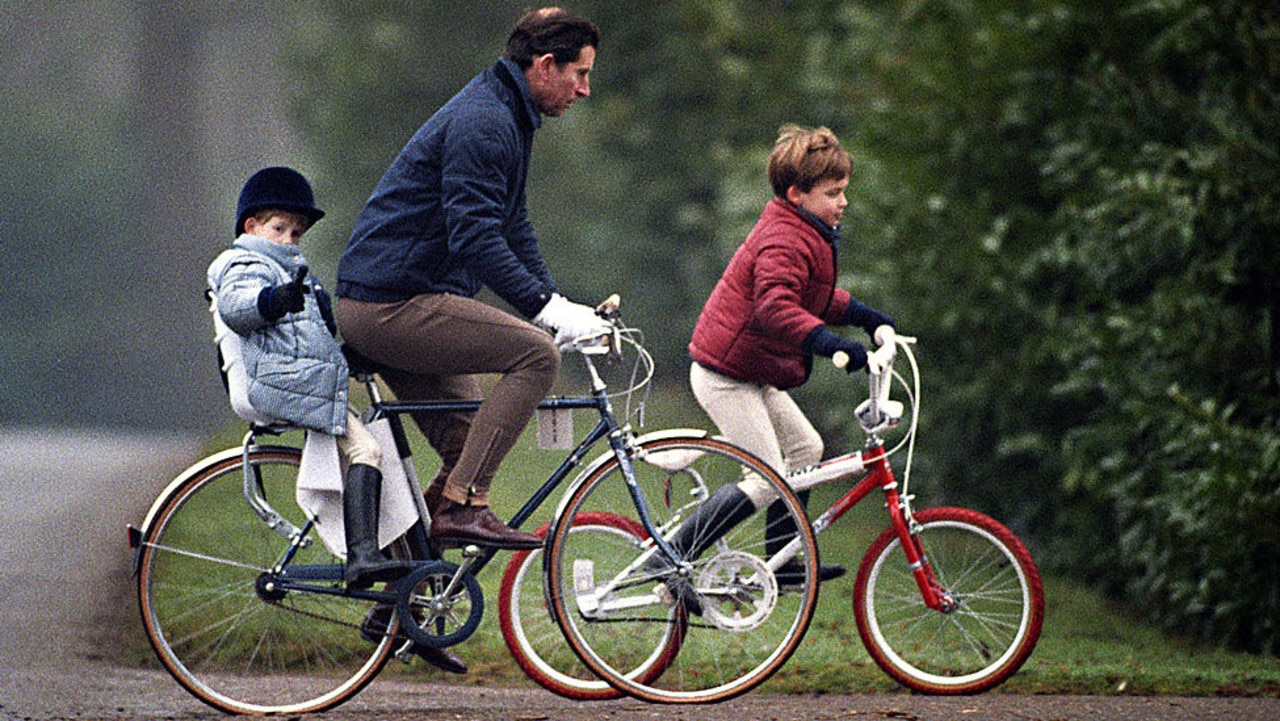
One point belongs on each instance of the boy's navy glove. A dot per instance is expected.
(276, 300)
(866, 317)
(825, 343)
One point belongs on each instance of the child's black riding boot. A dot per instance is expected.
(725, 508)
(779, 531)
(361, 496)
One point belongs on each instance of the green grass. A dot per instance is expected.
(1089, 645)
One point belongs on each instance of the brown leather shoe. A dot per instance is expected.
(457, 525)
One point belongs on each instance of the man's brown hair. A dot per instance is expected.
(550, 30)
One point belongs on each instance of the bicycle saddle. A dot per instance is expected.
(359, 365)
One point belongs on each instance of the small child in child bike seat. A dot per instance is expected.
(293, 365)
(769, 315)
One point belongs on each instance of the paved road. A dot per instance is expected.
(67, 497)
(66, 604)
(108, 692)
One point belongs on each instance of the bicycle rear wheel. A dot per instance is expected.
(534, 638)
(620, 608)
(995, 589)
(221, 630)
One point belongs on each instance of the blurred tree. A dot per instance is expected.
(367, 75)
(1095, 291)
(1167, 228)
(128, 128)
(74, 184)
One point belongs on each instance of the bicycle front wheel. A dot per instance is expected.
(221, 629)
(719, 623)
(995, 597)
(534, 639)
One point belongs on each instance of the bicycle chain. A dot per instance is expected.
(358, 627)
(315, 616)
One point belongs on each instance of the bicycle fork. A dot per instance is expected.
(908, 537)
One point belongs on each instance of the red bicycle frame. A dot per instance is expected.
(880, 475)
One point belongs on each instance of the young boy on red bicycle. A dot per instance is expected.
(767, 317)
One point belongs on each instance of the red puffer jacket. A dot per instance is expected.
(779, 286)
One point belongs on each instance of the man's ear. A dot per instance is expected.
(794, 196)
(543, 65)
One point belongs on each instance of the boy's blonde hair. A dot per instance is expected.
(804, 156)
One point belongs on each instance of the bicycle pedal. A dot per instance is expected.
(679, 591)
(664, 594)
(405, 653)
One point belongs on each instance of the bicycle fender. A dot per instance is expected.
(607, 456)
(662, 435)
(138, 535)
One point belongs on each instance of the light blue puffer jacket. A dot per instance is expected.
(295, 369)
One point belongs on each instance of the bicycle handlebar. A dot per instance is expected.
(609, 308)
(609, 343)
(884, 354)
(878, 360)
(605, 342)
(878, 412)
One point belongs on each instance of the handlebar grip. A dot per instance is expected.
(609, 308)
(840, 359)
(884, 335)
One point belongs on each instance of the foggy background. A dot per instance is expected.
(128, 128)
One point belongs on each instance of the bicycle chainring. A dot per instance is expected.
(437, 605)
(738, 591)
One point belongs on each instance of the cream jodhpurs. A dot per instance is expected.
(760, 419)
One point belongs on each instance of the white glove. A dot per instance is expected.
(570, 321)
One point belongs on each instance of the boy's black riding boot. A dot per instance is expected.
(725, 508)
(779, 530)
(361, 496)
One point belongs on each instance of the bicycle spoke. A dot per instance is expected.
(624, 609)
(991, 628)
(205, 611)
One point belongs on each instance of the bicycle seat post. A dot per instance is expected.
(365, 371)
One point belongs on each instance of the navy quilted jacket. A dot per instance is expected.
(449, 215)
(296, 371)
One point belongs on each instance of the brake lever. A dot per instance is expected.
(609, 308)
